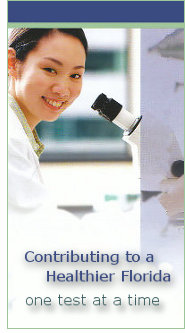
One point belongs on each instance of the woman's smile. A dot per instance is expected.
(53, 104)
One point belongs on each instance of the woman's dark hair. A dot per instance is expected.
(24, 40)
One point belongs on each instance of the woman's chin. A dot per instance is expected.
(52, 117)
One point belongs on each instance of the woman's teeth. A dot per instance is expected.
(53, 103)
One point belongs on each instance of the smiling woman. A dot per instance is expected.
(49, 78)
(45, 68)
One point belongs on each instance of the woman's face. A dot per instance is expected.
(50, 78)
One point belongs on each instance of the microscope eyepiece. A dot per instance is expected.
(107, 107)
(114, 112)
(117, 114)
(99, 102)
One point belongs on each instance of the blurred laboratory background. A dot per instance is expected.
(85, 161)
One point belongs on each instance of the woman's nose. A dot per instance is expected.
(61, 88)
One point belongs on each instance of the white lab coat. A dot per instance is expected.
(26, 189)
(28, 198)
(34, 222)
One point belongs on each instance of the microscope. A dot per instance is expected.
(115, 113)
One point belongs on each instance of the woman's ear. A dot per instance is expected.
(12, 62)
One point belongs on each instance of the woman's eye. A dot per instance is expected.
(50, 70)
(76, 76)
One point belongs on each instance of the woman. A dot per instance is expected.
(45, 68)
